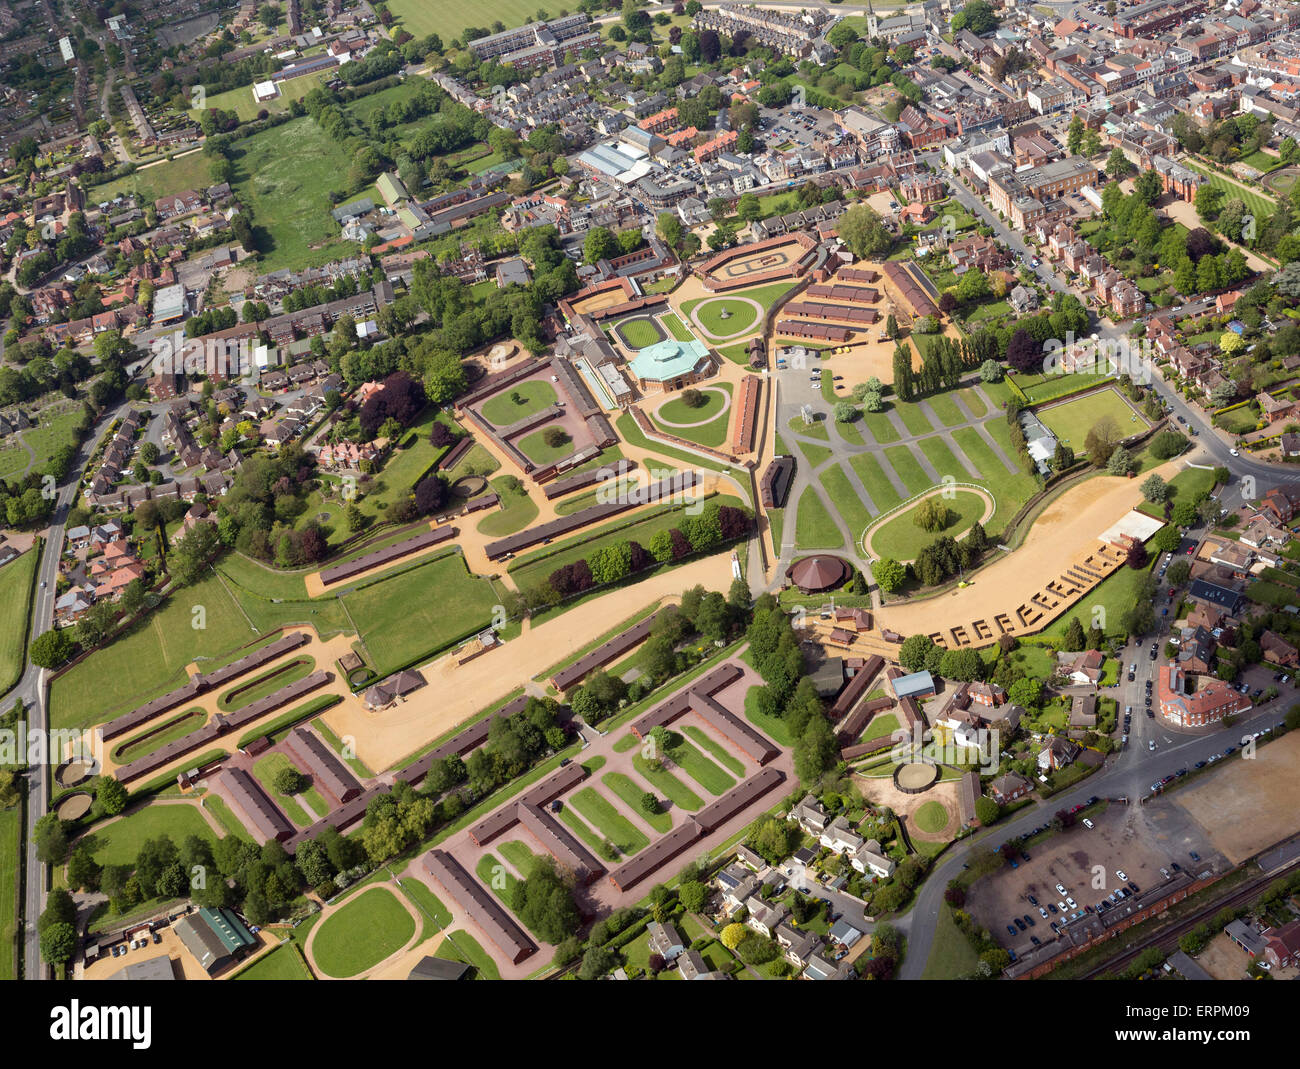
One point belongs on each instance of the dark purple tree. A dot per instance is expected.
(1023, 353)
(430, 492)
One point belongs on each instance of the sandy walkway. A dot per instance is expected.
(1070, 526)
(456, 692)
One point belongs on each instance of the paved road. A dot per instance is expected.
(31, 689)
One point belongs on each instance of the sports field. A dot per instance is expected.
(638, 332)
(119, 842)
(1071, 421)
(191, 171)
(362, 934)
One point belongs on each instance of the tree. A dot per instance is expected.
(1167, 444)
(733, 935)
(987, 811)
(51, 648)
(51, 840)
(990, 371)
(1117, 164)
(1074, 639)
(1155, 489)
(845, 412)
(914, 651)
(57, 942)
(1101, 441)
(289, 781)
(110, 796)
(1121, 462)
(932, 514)
(889, 574)
(861, 229)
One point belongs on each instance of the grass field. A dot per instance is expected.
(265, 769)
(191, 171)
(675, 327)
(257, 687)
(284, 176)
(716, 749)
(597, 810)
(703, 771)
(847, 502)
(118, 843)
(151, 657)
(10, 860)
(1257, 204)
(712, 433)
(637, 333)
(534, 395)
(740, 319)
(517, 511)
(951, 955)
(534, 447)
(884, 724)
(15, 592)
(764, 295)
(241, 101)
(362, 934)
(146, 742)
(283, 963)
(814, 527)
(1072, 420)
(914, 419)
(874, 481)
(901, 539)
(629, 793)
(931, 817)
(463, 947)
(667, 785)
(436, 915)
(420, 611)
(421, 18)
(908, 468)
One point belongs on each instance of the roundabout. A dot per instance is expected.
(895, 534)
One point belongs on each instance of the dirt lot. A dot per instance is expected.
(1137, 840)
(1251, 804)
(881, 791)
(1067, 528)
(1223, 959)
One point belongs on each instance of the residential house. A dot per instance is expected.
(1057, 753)
(1009, 787)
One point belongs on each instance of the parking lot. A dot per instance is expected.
(1137, 841)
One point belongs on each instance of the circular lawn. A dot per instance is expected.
(503, 410)
(677, 413)
(743, 315)
(901, 539)
(362, 934)
(931, 818)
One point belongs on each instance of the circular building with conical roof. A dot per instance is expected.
(825, 571)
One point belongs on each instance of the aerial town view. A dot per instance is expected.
(663, 490)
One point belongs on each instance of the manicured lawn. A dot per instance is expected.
(10, 859)
(874, 481)
(284, 176)
(362, 934)
(629, 793)
(254, 688)
(1257, 204)
(972, 400)
(719, 752)
(881, 724)
(118, 843)
(741, 318)
(951, 954)
(700, 768)
(139, 745)
(764, 295)
(517, 510)
(265, 769)
(931, 817)
(772, 726)
(1072, 420)
(497, 878)
(15, 595)
(908, 468)
(816, 429)
(151, 657)
(436, 915)
(942, 459)
(583, 830)
(667, 785)
(420, 611)
(850, 506)
(636, 333)
(241, 101)
(627, 742)
(282, 963)
(816, 455)
(1114, 595)
(881, 427)
(677, 411)
(916, 421)
(901, 539)
(597, 810)
(519, 856)
(814, 528)
(534, 447)
(946, 409)
(534, 395)
(1011, 489)
(448, 21)
(463, 947)
(675, 327)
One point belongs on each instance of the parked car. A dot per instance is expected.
(1011, 928)
(1060, 890)
(1194, 855)
(1088, 824)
